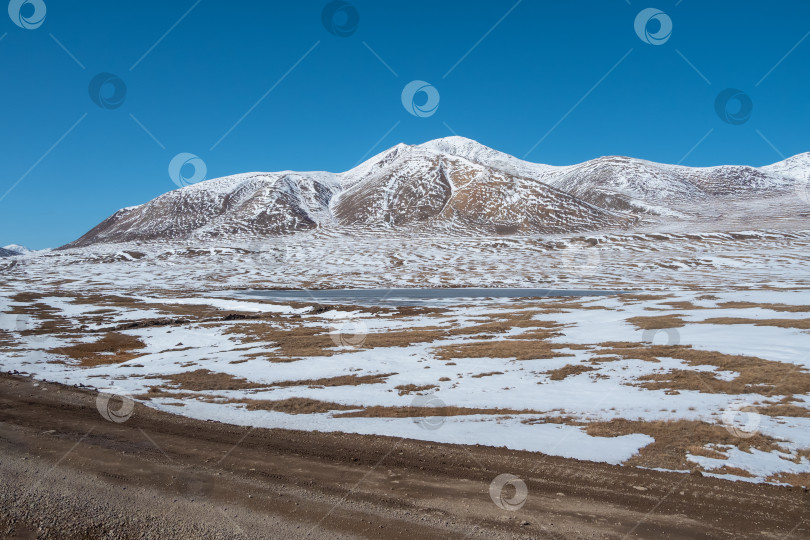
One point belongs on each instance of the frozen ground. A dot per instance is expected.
(704, 366)
(686, 258)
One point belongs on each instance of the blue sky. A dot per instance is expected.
(573, 76)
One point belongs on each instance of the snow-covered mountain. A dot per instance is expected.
(17, 249)
(451, 184)
(797, 167)
(423, 186)
(250, 204)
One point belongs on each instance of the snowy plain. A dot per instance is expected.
(521, 403)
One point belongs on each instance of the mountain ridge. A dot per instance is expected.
(451, 183)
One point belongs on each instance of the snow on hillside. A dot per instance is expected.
(797, 167)
(251, 204)
(450, 184)
(483, 155)
(22, 250)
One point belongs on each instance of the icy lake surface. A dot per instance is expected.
(414, 296)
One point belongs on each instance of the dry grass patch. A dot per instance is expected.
(800, 324)
(793, 479)
(293, 405)
(424, 412)
(49, 319)
(293, 341)
(200, 380)
(7, 338)
(634, 298)
(54, 321)
(163, 392)
(681, 305)
(488, 374)
(602, 359)
(501, 323)
(195, 311)
(310, 406)
(296, 341)
(27, 297)
(107, 300)
(405, 338)
(397, 312)
(407, 389)
(568, 371)
(112, 348)
(558, 420)
(541, 334)
(680, 379)
(709, 452)
(183, 313)
(507, 348)
(755, 375)
(341, 380)
(785, 308)
(733, 471)
(271, 356)
(674, 439)
(530, 345)
(662, 322)
(560, 305)
(783, 409)
(621, 345)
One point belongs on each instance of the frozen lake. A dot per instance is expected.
(414, 296)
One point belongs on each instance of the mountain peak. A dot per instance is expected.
(453, 141)
(458, 146)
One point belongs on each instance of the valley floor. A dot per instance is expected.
(681, 381)
(697, 376)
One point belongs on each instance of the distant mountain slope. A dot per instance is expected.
(626, 184)
(22, 250)
(8, 253)
(451, 184)
(796, 167)
(246, 204)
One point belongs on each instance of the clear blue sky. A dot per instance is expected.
(331, 109)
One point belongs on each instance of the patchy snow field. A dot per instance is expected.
(687, 258)
(706, 368)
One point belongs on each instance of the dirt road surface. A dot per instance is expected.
(67, 472)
